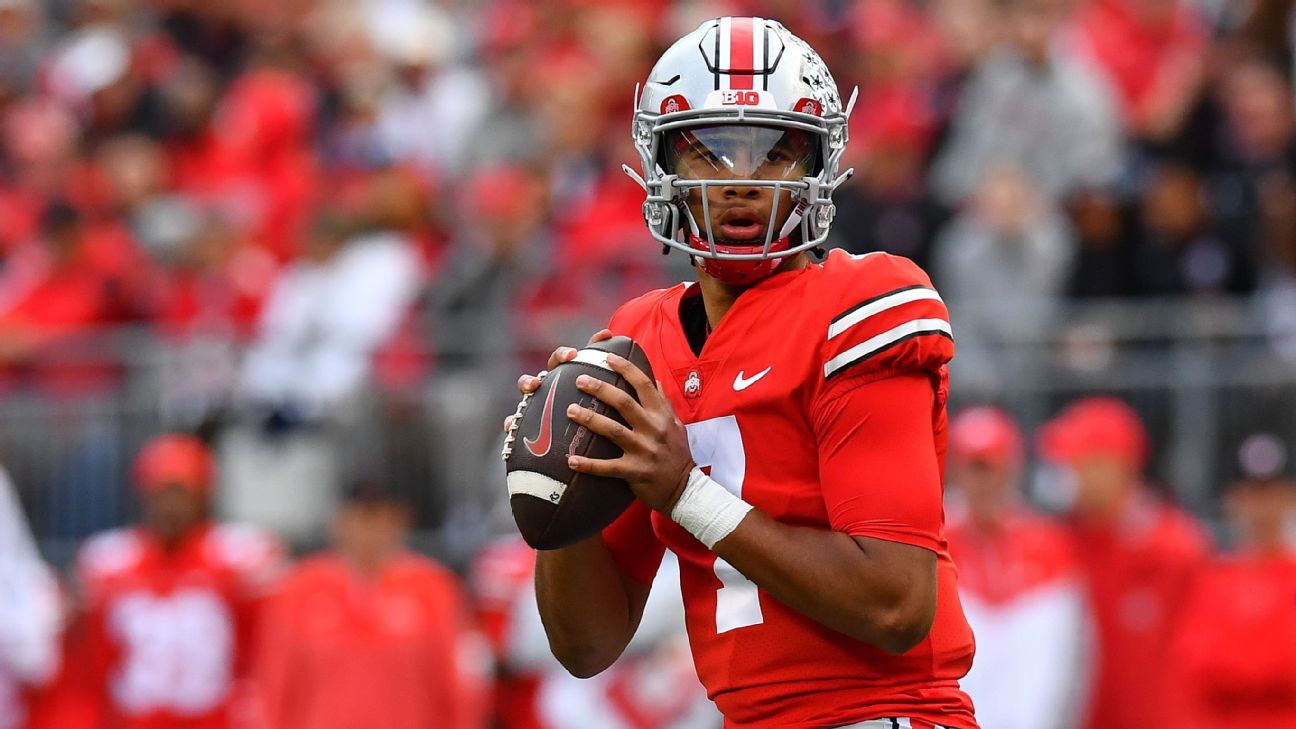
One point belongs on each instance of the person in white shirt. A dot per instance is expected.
(1019, 583)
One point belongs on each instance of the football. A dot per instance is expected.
(553, 505)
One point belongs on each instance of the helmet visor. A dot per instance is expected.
(740, 152)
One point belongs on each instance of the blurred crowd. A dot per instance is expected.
(324, 234)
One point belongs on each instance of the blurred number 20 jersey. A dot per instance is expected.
(778, 392)
(168, 633)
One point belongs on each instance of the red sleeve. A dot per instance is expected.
(878, 463)
(635, 548)
(275, 661)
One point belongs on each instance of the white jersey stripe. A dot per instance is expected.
(884, 340)
(899, 298)
(726, 48)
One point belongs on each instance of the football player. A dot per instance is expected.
(791, 452)
(171, 605)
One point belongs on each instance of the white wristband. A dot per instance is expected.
(707, 510)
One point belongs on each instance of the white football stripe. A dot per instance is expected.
(596, 357)
(530, 483)
(758, 46)
(877, 307)
(885, 339)
(726, 27)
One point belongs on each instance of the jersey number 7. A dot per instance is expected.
(717, 443)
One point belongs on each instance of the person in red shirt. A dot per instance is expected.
(1138, 553)
(792, 455)
(1019, 580)
(371, 634)
(171, 605)
(1233, 662)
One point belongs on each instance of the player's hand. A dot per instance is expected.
(528, 384)
(656, 460)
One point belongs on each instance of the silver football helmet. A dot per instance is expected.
(736, 105)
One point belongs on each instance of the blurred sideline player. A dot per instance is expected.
(1019, 580)
(171, 605)
(370, 634)
(1234, 658)
(1138, 553)
(653, 686)
(792, 456)
(31, 618)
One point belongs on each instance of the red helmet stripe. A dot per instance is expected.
(742, 53)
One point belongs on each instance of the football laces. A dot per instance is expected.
(517, 418)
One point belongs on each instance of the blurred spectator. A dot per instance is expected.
(63, 290)
(1236, 643)
(1254, 144)
(1104, 261)
(1001, 266)
(31, 616)
(171, 605)
(1178, 252)
(326, 316)
(653, 686)
(432, 104)
(370, 634)
(887, 206)
(1138, 555)
(1019, 581)
(1033, 105)
(1153, 52)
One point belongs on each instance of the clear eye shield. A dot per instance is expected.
(704, 160)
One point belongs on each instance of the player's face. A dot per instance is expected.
(987, 486)
(1100, 482)
(1262, 512)
(368, 533)
(740, 213)
(171, 511)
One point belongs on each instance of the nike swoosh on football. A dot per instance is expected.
(741, 383)
(544, 439)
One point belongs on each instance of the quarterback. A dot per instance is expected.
(791, 451)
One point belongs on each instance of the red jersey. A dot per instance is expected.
(1138, 574)
(396, 651)
(1234, 656)
(784, 406)
(168, 633)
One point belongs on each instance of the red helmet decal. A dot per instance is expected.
(808, 106)
(672, 104)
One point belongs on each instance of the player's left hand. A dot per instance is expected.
(656, 460)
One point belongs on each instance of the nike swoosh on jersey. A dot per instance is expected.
(741, 383)
(544, 439)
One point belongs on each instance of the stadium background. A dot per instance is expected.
(327, 235)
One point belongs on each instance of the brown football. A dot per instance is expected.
(553, 505)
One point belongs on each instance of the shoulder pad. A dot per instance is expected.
(109, 553)
(884, 317)
(636, 310)
(247, 550)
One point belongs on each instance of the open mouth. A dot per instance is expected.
(742, 226)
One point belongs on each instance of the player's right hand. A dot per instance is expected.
(528, 384)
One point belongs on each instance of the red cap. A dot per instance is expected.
(985, 434)
(174, 459)
(1095, 426)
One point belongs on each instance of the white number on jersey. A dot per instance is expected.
(717, 443)
(176, 652)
